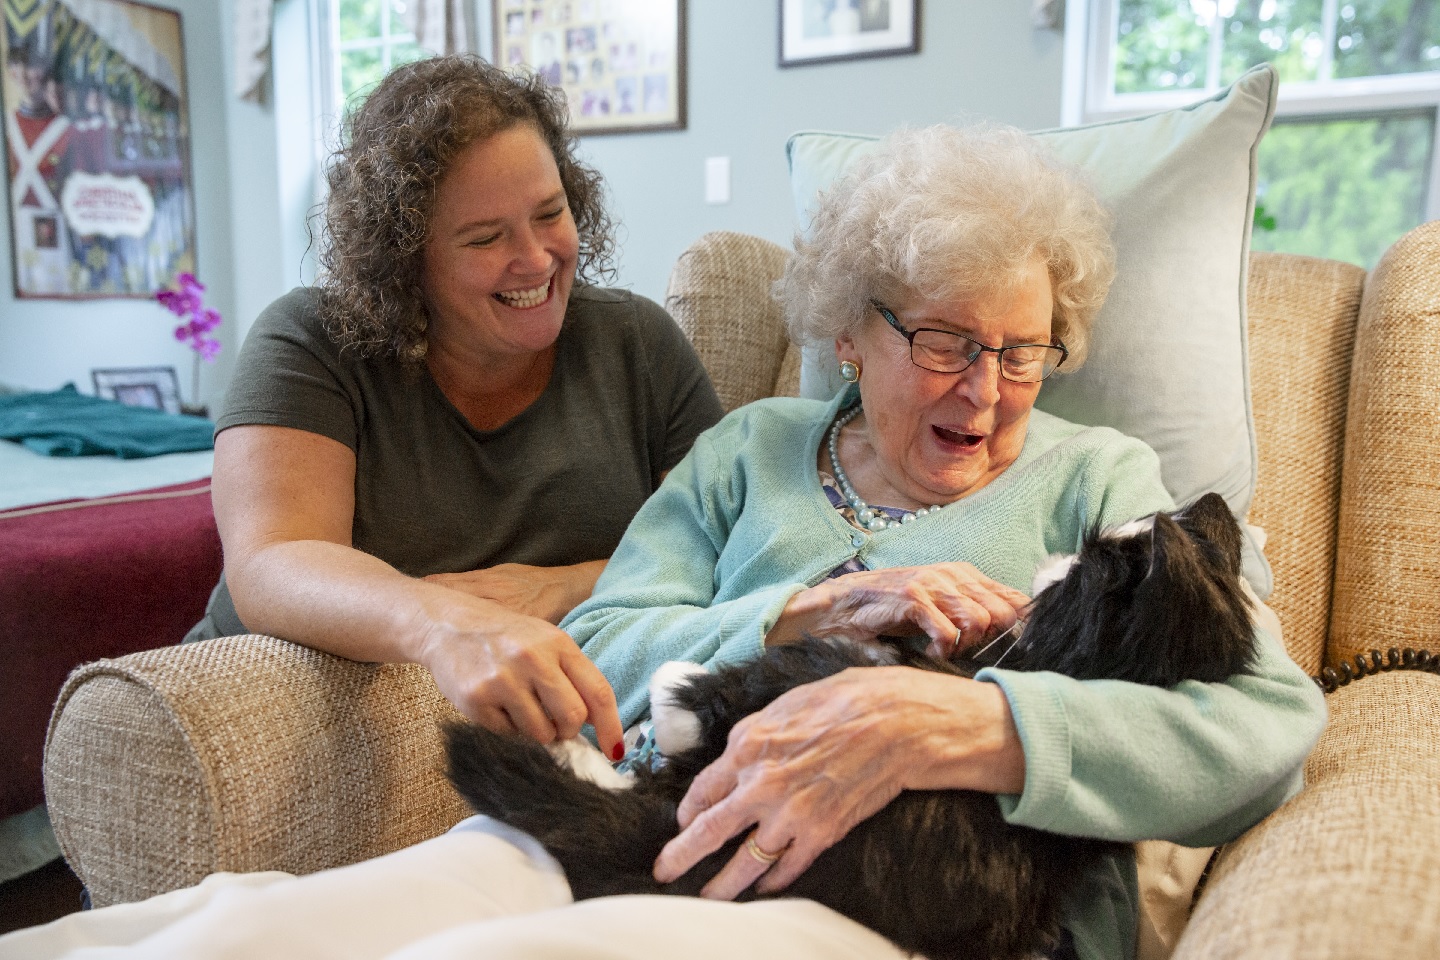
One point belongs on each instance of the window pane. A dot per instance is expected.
(1344, 189)
(359, 70)
(405, 52)
(1387, 36)
(358, 19)
(1160, 45)
(1286, 33)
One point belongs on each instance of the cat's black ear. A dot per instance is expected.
(1172, 553)
(1209, 520)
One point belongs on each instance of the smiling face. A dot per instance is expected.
(936, 437)
(500, 260)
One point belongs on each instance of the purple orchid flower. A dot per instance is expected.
(187, 302)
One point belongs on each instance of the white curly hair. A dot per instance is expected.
(947, 212)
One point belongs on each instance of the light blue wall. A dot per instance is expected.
(44, 343)
(978, 58)
(254, 165)
(273, 162)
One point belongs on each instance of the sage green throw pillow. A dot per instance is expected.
(1168, 360)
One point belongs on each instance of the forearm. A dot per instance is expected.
(577, 583)
(339, 600)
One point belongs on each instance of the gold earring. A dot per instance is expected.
(849, 372)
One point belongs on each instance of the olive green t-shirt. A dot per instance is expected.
(558, 484)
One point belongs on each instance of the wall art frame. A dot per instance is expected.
(823, 31)
(621, 63)
(97, 133)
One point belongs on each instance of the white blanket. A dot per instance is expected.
(469, 893)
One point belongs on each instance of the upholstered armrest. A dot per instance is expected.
(244, 753)
(1349, 868)
(1387, 568)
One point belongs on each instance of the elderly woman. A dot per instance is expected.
(954, 271)
(406, 465)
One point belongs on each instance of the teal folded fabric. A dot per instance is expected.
(67, 423)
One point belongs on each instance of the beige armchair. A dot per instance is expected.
(249, 753)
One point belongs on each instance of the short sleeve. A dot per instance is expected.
(289, 374)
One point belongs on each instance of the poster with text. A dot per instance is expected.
(97, 144)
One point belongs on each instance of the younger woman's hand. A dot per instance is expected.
(954, 604)
(513, 673)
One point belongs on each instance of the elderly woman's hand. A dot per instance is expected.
(954, 604)
(825, 756)
(514, 673)
(545, 592)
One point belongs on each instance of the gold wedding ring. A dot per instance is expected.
(753, 848)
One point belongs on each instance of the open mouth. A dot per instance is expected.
(965, 441)
(525, 299)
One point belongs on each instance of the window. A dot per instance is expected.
(366, 39)
(1350, 163)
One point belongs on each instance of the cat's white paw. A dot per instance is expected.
(676, 730)
(587, 763)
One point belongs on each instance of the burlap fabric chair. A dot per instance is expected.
(249, 753)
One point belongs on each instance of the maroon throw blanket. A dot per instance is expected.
(88, 579)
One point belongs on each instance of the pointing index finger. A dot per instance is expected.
(599, 700)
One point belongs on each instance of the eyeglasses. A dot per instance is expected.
(946, 352)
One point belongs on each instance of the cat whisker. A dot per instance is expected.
(1007, 649)
(998, 637)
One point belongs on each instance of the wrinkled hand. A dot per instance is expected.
(548, 593)
(514, 673)
(825, 756)
(954, 604)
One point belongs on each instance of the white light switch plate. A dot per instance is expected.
(717, 180)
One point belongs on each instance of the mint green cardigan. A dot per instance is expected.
(741, 525)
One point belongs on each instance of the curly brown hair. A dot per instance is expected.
(401, 141)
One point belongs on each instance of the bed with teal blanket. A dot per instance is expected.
(107, 546)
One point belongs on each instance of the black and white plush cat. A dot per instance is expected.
(941, 873)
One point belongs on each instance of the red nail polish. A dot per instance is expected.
(617, 753)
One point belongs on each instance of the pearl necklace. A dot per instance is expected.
(867, 516)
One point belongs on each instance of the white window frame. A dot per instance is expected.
(1088, 71)
(327, 33)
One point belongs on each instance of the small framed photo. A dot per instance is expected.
(816, 31)
(621, 64)
(157, 388)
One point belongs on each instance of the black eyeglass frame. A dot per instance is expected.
(980, 348)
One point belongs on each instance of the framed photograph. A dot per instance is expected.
(155, 387)
(97, 138)
(621, 63)
(816, 31)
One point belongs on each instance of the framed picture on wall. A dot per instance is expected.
(157, 388)
(97, 138)
(621, 63)
(816, 31)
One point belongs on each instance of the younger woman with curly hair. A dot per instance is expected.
(428, 456)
